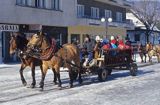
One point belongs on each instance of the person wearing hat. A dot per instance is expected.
(88, 45)
(98, 46)
(105, 41)
(113, 42)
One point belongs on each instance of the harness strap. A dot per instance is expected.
(50, 53)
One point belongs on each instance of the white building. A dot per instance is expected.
(139, 33)
(28, 16)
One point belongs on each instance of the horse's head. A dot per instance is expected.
(13, 45)
(37, 43)
(17, 42)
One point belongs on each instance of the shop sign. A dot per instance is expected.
(6, 27)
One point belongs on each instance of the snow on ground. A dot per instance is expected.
(119, 89)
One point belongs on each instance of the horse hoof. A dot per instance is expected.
(55, 83)
(41, 89)
(32, 86)
(60, 88)
(71, 86)
(24, 83)
(59, 85)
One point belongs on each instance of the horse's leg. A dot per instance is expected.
(23, 66)
(158, 58)
(57, 70)
(145, 57)
(77, 61)
(80, 78)
(55, 76)
(150, 58)
(33, 76)
(71, 77)
(44, 71)
(141, 56)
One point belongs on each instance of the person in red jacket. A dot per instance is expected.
(121, 44)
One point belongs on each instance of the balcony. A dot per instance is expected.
(86, 20)
(120, 3)
(107, 1)
(127, 3)
(125, 24)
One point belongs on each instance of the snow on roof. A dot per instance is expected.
(137, 22)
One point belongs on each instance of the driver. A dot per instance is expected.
(88, 45)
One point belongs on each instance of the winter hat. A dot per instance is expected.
(112, 37)
(98, 38)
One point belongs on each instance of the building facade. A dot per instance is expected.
(29, 16)
(138, 35)
(90, 13)
(65, 20)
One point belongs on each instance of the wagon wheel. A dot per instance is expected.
(102, 74)
(133, 69)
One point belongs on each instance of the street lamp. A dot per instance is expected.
(107, 21)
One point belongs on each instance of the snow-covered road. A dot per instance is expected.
(119, 89)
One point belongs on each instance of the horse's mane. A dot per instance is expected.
(21, 42)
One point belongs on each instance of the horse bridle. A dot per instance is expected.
(36, 49)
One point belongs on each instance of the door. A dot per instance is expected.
(0, 46)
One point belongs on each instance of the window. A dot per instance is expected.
(94, 12)
(37, 3)
(21, 2)
(108, 14)
(119, 16)
(40, 3)
(49, 4)
(80, 10)
(18, 1)
(137, 37)
(29, 2)
(55, 4)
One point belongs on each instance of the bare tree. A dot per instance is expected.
(148, 12)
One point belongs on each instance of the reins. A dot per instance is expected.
(39, 53)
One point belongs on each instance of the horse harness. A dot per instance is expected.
(152, 49)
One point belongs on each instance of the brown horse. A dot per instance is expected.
(153, 50)
(142, 52)
(19, 43)
(53, 58)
